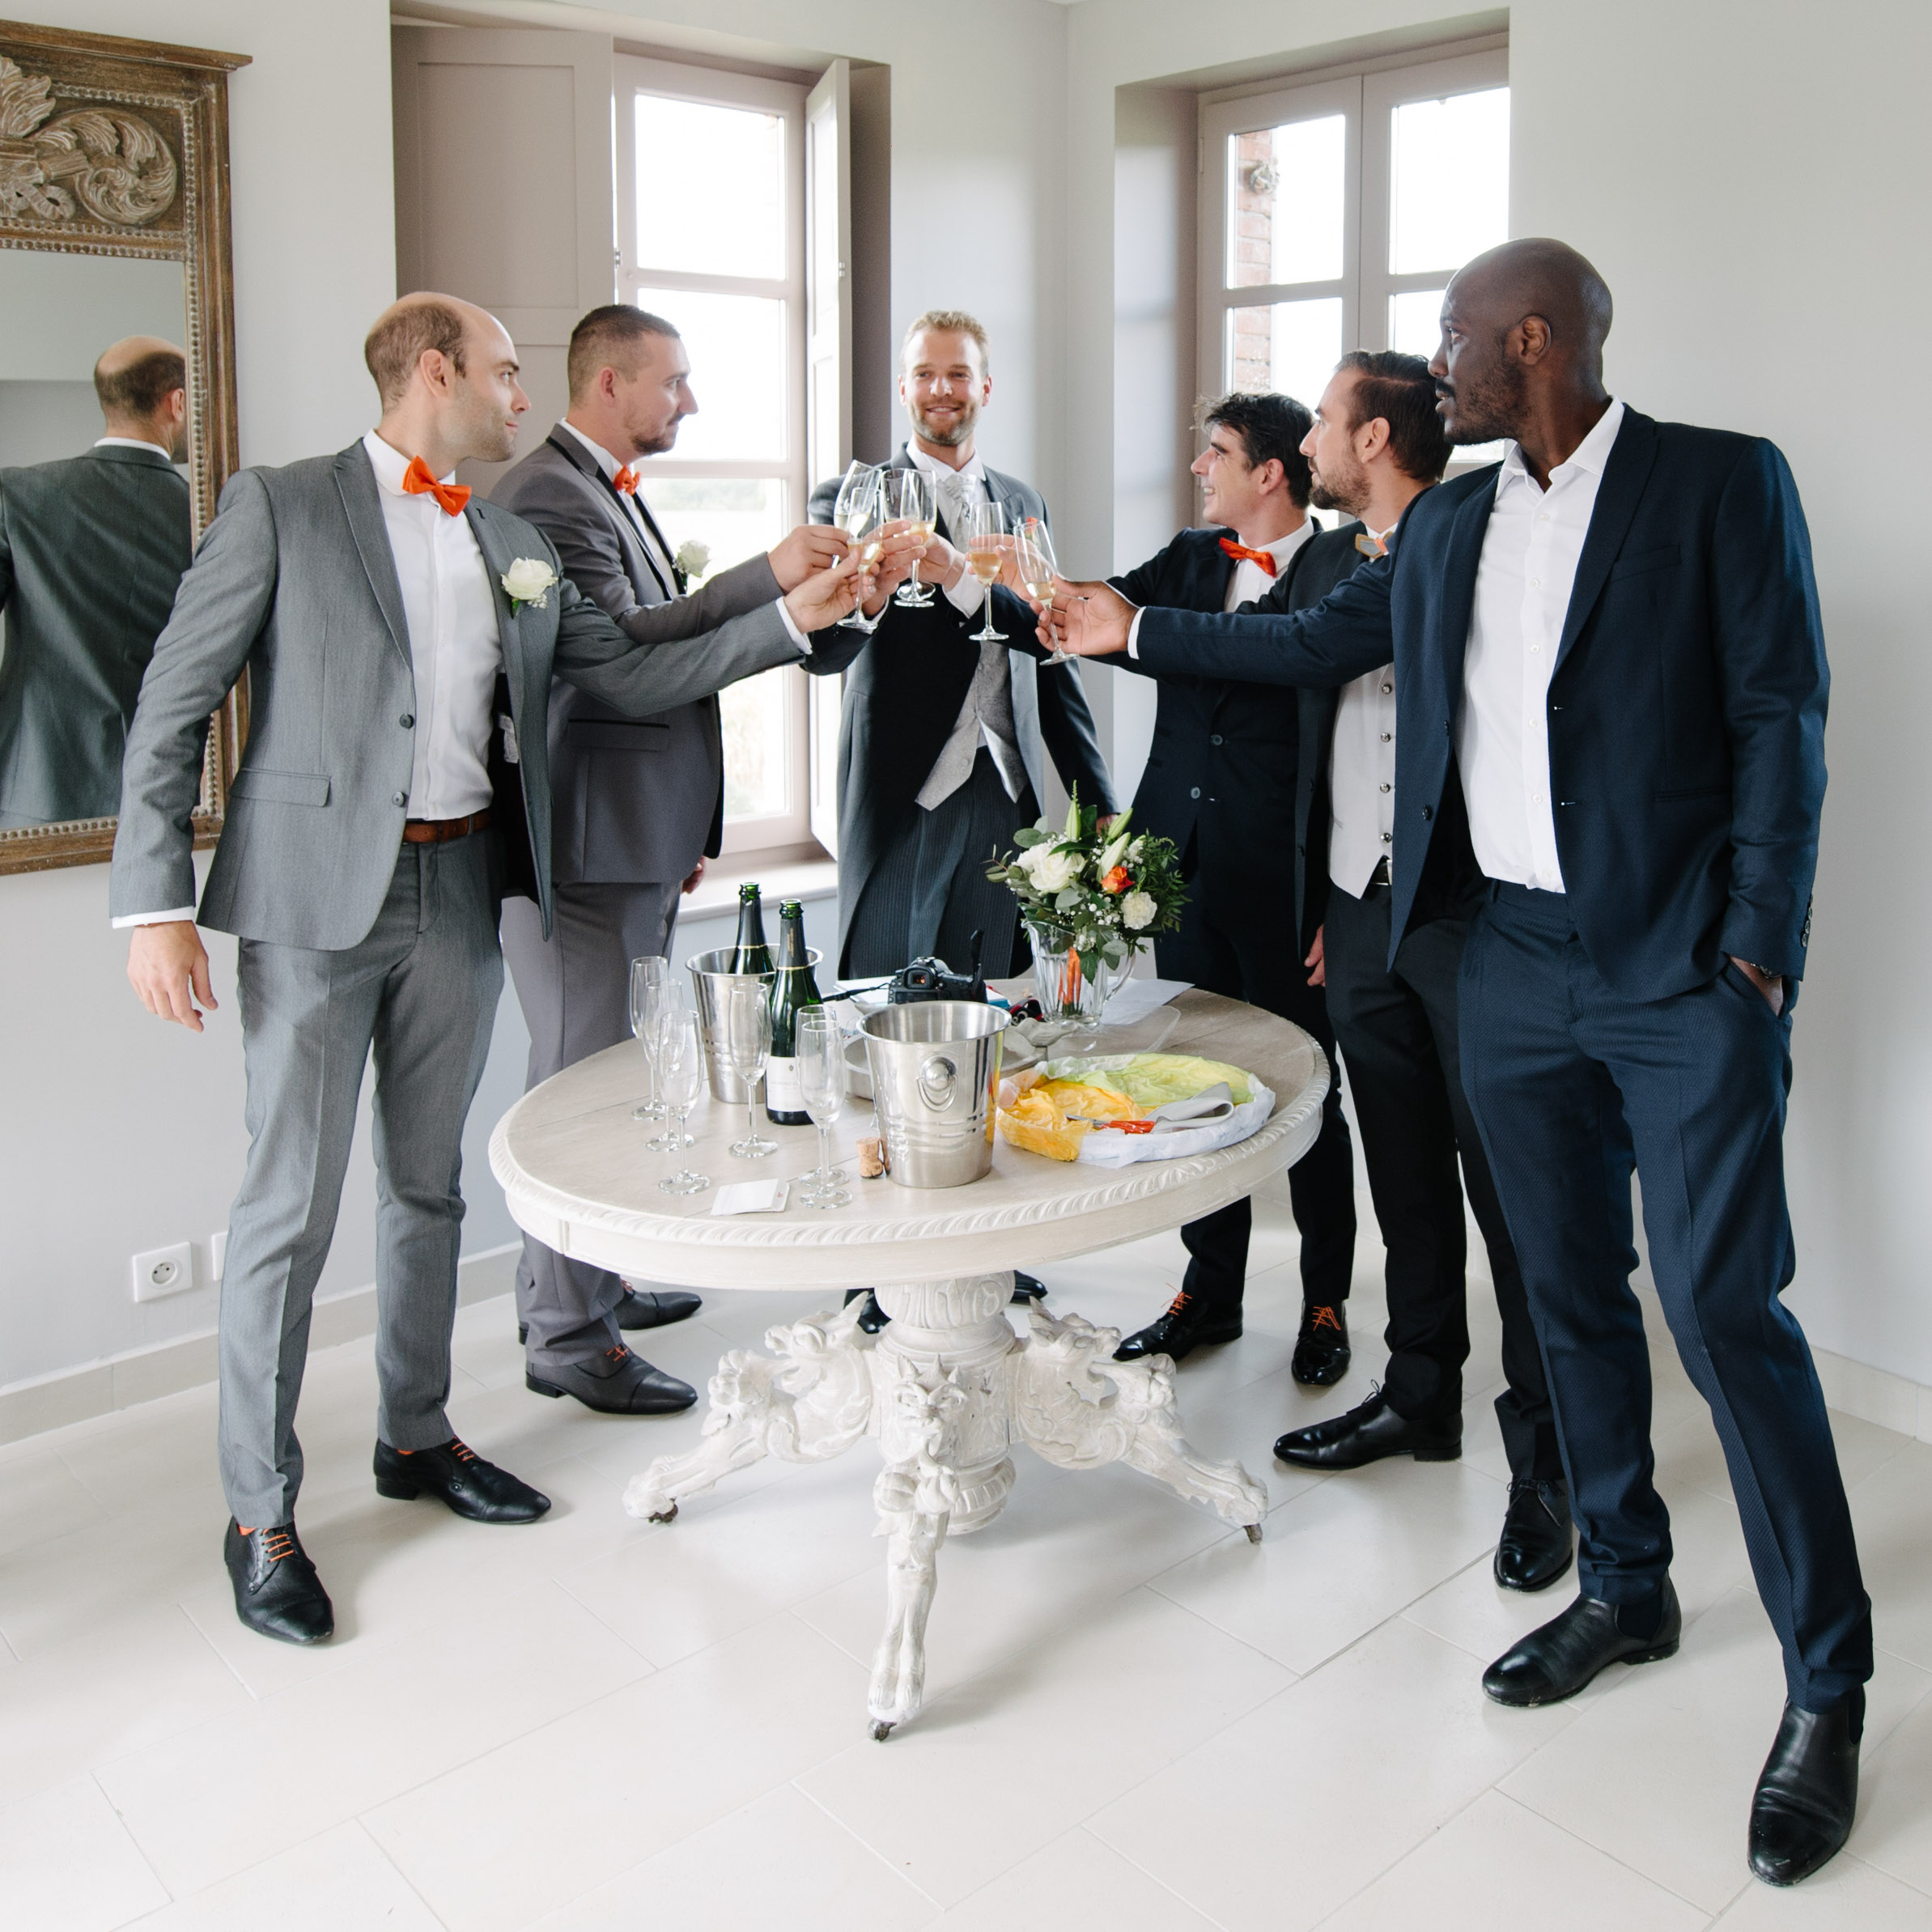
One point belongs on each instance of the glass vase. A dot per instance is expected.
(1068, 996)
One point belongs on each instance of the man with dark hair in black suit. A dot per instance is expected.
(1220, 782)
(1377, 444)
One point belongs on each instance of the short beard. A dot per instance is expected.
(1491, 407)
(1349, 494)
(962, 431)
(658, 445)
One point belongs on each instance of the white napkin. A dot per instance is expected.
(1133, 1000)
(751, 1197)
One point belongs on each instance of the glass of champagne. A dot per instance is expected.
(651, 971)
(681, 1080)
(859, 513)
(987, 545)
(665, 1011)
(822, 1080)
(1033, 553)
(915, 497)
(747, 1029)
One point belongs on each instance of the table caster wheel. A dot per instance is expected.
(881, 1731)
(670, 1515)
(1254, 1531)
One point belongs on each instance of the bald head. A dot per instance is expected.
(1522, 337)
(446, 370)
(141, 385)
(409, 329)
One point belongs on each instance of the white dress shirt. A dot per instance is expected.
(967, 485)
(633, 508)
(132, 443)
(455, 650)
(1522, 589)
(1361, 776)
(1250, 582)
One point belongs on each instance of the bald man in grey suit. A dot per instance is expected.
(639, 802)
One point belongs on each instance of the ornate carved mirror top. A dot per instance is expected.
(117, 425)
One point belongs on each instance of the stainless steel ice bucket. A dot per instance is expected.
(711, 977)
(935, 1071)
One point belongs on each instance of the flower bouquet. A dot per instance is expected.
(1090, 900)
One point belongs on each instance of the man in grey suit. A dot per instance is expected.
(92, 549)
(639, 802)
(400, 641)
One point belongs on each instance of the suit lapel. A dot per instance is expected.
(574, 453)
(1458, 600)
(362, 505)
(1618, 494)
(509, 628)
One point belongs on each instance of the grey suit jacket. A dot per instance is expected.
(91, 551)
(902, 700)
(636, 801)
(295, 581)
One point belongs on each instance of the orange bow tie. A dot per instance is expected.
(1241, 554)
(418, 482)
(625, 482)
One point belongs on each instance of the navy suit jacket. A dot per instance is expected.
(1687, 706)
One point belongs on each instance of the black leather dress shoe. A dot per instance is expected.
(1558, 1660)
(617, 1383)
(276, 1591)
(645, 1308)
(1535, 1548)
(1802, 1812)
(1188, 1324)
(872, 1318)
(457, 1475)
(1369, 1431)
(1321, 1350)
(1028, 1287)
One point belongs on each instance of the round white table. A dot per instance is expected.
(947, 1387)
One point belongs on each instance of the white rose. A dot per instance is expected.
(528, 581)
(1053, 870)
(1137, 911)
(694, 559)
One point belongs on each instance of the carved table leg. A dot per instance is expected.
(1079, 1407)
(809, 1400)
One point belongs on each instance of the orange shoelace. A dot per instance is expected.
(1180, 1301)
(1323, 1318)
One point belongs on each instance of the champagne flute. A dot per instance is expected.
(986, 557)
(681, 1076)
(747, 1029)
(1032, 553)
(665, 1010)
(649, 972)
(859, 513)
(914, 495)
(822, 1080)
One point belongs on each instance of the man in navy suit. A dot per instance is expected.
(1611, 688)
(1220, 782)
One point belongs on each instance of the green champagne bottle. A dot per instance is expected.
(750, 954)
(793, 991)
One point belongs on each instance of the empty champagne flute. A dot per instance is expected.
(665, 1008)
(987, 546)
(746, 1025)
(681, 1080)
(822, 1080)
(859, 512)
(649, 972)
(913, 495)
(1033, 556)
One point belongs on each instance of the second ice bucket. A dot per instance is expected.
(935, 1072)
(711, 977)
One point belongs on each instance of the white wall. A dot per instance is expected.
(1748, 174)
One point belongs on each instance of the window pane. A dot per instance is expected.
(1289, 346)
(735, 517)
(1286, 202)
(740, 360)
(1449, 180)
(758, 779)
(710, 188)
(1416, 322)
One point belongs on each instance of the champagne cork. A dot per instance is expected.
(872, 1157)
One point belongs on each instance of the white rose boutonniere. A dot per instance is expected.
(528, 580)
(693, 559)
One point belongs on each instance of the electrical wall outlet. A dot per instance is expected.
(163, 1271)
(217, 1254)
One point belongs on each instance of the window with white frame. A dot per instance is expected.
(710, 235)
(1333, 214)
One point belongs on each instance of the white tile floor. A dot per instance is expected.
(1135, 1720)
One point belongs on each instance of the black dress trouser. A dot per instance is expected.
(1238, 937)
(1397, 1033)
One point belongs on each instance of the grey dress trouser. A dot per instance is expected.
(421, 989)
(574, 990)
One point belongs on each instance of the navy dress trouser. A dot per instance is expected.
(1568, 1079)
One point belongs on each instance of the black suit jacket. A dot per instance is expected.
(1687, 706)
(907, 682)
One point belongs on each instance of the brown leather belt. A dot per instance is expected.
(440, 831)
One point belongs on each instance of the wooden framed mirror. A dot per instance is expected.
(114, 252)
